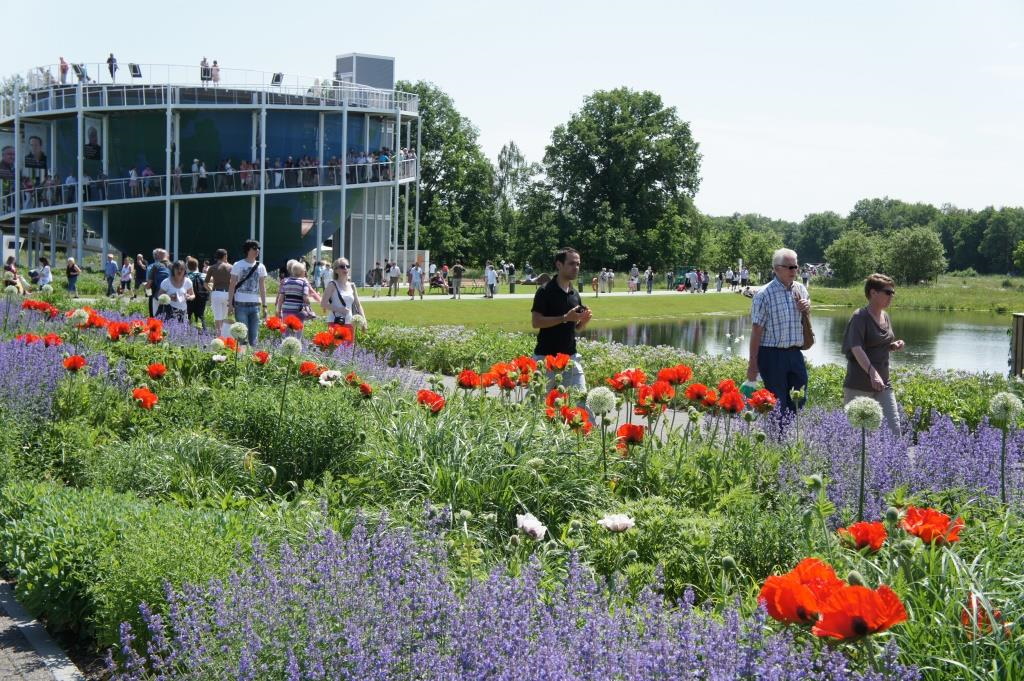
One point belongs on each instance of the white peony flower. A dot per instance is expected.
(219, 358)
(164, 299)
(1004, 408)
(291, 347)
(864, 412)
(217, 345)
(530, 526)
(239, 331)
(47, 289)
(329, 378)
(616, 522)
(359, 320)
(79, 316)
(600, 400)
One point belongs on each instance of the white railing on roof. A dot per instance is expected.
(47, 90)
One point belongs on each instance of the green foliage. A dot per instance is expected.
(852, 256)
(914, 254)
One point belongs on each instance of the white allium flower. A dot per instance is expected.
(359, 320)
(11, 290)
(239, 330)
(600, 400)
(536, 462)
(864, 412)
(164, 299)
(219, 358)
(79, 316)
(530, 526)
(291, 347)
(47, 289)
(616, 522)
(217, 345)
(1004, 408)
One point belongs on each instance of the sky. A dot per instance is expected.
(798, 106)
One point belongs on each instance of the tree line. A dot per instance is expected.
(618, 181)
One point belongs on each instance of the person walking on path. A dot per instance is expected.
(490, 280)
(110, 273)
(649, 276)
(247, 293)
(127, 271)
(341, 299)
(394, 274)
(457, 271)
(777, 336)
(416, 281)
(868, 340)
(157, 271)
(558, 314)
(218, 280)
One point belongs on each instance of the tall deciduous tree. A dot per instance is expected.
(616, 165)
(914, 254)
(817, 232)
(456, 181)
(853, 256)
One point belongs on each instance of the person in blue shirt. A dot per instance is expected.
(110, 271)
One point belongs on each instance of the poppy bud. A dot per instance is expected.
(631, 556)
(694, 414)
(575, 525)
(892, 515)
(513, 540)
(855, 578)
(749, 416)
(759, 437)
(815, 482)
(907, 546)
(728, 563)
(808, 518)
(489, 517)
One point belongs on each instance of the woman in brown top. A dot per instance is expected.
(868, 341)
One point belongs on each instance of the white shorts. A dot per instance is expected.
(219, 303)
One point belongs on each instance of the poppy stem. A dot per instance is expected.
(604, 452)
(863, 459)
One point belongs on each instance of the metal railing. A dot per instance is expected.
(205, 182)
(185, 85)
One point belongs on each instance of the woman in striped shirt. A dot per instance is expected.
(295, 293)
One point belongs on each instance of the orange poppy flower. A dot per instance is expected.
(261, 356)
(431, 400)
(710, 398)
(975, 618)
(727, 385)
(762, 401)
(663, 391)
(556, 399)
(293, 323)
(932, 526)
(557, 362)
(731, 402)
(74, 362)
(796, 597)
(156, 370)
(577, 419)
(863, 534)
(856, 611)
(366, 390)
(628, 434)
(695, 392)
(145, 397)
(275, 324)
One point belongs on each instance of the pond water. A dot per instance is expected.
(971, 341)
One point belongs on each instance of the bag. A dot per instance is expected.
(334, 315)
(244, 279)
(805, 322)
(199, 287)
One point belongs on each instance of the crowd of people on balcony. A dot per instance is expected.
(360, 167)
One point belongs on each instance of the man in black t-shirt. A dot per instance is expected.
(558, 313)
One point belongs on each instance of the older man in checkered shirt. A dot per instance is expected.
(778, 336)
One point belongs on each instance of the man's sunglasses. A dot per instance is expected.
(789, 267)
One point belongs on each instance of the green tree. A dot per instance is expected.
(456, 181)
(885, 214)
(617, 164)
(538, 235)
(914, 254)
(817, 232)
(852, 256)
(758, 247)
(1018, 256)
(1004, 228)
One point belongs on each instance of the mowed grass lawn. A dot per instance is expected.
(513, 314)
(989, 293)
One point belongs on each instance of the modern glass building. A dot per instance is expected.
(195, 158)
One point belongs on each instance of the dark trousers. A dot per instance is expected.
(782, 369)
(110, 286)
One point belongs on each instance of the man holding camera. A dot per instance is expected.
(558, 313)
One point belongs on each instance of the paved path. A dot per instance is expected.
(367, 294)
(27, 653)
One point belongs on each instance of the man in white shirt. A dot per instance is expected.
(491, 280)
(247, 292)
(394, 274)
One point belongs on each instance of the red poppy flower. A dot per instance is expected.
(154, 337)
(156, 370)
(695, 392)
(663, 392)
(52, 339)
(864, 534)
(488, 378)
(628, 434)
(325, 340)
(975, 618)
(556, 399)
(795, 597)
(577, 419)
(557, 362)
(28, 338)
(366, 390)
(293, 323)
(352, 378)
(153, 325)
(731, 402)
(40, 306)
(145, 397)
(74, 362)
(308, 368)
(932, 526)
(762, 401)
(727, 385)
(856, 611)
(114, 332)
(629, 378)
(669, 375)
(710, 398)
(645, 405)
(275, 324)
(683, 373)
(468, 379)
(261, 356)
(526, 365)
(342, 333)
(431, 400)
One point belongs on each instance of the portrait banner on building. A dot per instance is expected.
(36, 140)
(6, 155)
(93, 147)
